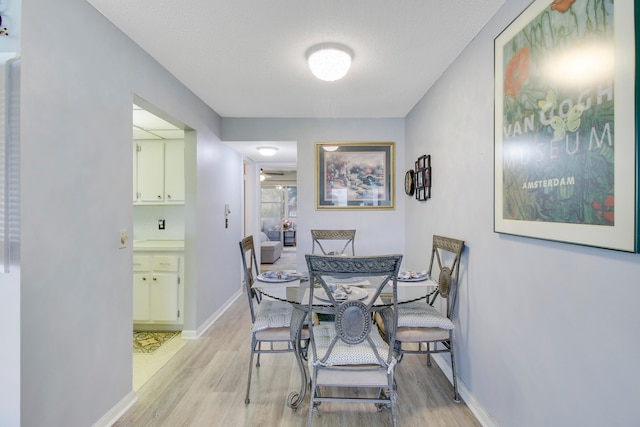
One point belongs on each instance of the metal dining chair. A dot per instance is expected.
(422, 324)
(333, 242)
(349, 351)
(270, 319)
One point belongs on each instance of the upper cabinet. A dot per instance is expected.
(159, 172)
(174, 171)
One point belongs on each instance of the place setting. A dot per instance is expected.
(281, 277)
(413, 278)
(341, 292)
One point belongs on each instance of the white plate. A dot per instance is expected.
(285, 277)
(403, 276)
(356, 294)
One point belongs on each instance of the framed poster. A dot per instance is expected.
(355, 175)
(565, 124)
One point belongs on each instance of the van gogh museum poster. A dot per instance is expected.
(565, 138)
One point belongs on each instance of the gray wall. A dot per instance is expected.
(79, 76)
(546, 332)
(373, 226)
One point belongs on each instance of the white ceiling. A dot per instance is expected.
(246, 58)
(147, 125)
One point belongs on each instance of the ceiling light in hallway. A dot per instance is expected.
(267, 151)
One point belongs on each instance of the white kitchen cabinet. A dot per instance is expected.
(159, 172)
(135, 173)
(158, 291)
(174, 171)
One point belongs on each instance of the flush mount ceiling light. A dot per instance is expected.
(329, 61)
(267, 151)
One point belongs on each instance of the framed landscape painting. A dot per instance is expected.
(355, 175)
(565, 124)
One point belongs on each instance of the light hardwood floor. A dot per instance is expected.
(204, 385)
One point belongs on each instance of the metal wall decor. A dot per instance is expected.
(410, 182)
(423, 178)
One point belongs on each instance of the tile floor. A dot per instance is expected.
(146, 365)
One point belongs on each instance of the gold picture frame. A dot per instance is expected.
(355, 175)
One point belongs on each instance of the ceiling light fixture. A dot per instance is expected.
(267, 151)
(329, 61)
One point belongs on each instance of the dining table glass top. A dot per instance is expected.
(293, 287)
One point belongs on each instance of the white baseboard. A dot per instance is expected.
(192, 335)
(117, 411)
(483, 417)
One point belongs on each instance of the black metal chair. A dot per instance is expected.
(349, 351)
(270, 319)
(422, 324)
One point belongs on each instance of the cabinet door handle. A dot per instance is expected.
(144, 279)
(168, 196)
(159, 197)
(155, 279)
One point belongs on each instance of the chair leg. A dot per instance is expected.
(456, 395)
(393, 396)
(253, 343)
(311, 402)
(258, 358)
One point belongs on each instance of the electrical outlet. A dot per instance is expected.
(161, 224)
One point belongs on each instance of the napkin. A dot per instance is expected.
(275, 275)
(342, 292)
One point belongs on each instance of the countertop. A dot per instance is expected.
(158, 245)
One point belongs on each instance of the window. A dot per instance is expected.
(278, 203)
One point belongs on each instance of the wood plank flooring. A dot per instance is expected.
(204, 385)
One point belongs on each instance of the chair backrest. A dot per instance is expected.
(445, 255)
(333, 242)
(353, 318)
(251, 271)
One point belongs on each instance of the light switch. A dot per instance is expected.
(123, 239)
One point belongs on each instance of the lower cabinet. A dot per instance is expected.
(157, 287)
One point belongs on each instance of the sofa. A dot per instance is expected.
(270, 250)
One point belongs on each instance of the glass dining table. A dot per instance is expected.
(294, 287)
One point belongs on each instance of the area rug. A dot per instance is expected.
(146, 342)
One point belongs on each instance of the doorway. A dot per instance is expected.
(279, 215)
(159, 196)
